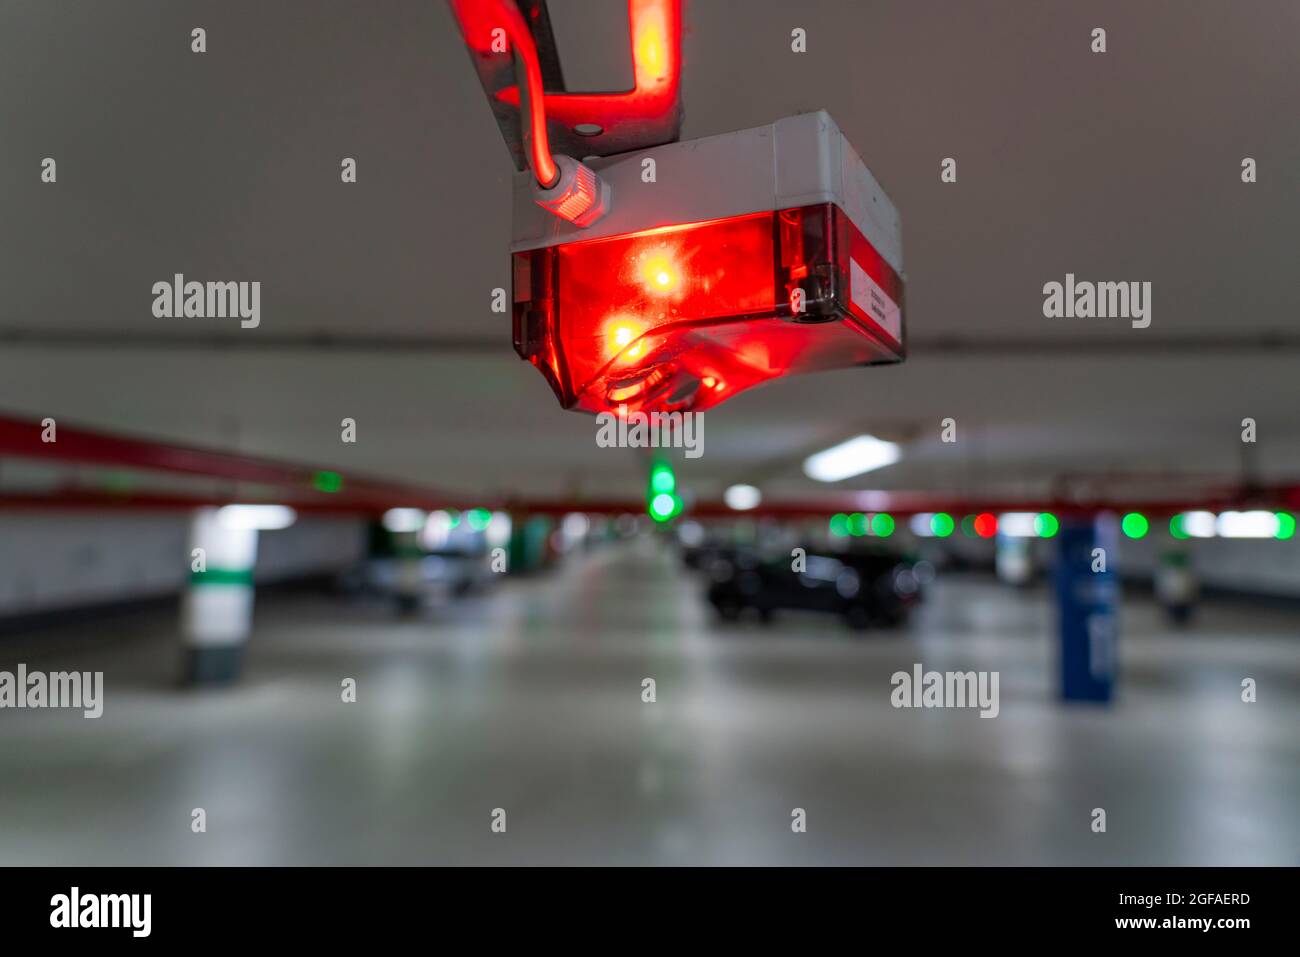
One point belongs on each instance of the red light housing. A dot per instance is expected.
(723, 262)
(683, 317)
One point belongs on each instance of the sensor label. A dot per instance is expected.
(868, 296)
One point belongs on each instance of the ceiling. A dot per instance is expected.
(375, 296)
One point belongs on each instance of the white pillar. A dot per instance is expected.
(1176, 586)
(1014, 559)
(217, 608)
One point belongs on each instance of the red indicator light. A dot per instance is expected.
(659, 272)
(623, 340)
(683, 317)
(986, 525)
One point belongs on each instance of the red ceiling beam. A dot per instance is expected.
(22, 438)
(1287, 498)
(1281, 497)
(295, 485)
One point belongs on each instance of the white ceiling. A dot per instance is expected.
(1119, 166)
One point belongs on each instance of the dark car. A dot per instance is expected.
(867, 589)
(437, 576)
(700, 557)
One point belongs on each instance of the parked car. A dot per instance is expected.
(699, 557)
(867, 589)
(437, 576)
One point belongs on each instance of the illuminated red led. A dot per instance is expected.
(659, 272)
(986, 525)
(684, 317)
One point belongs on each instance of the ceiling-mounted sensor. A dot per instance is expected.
(745, 257)
(653, 275)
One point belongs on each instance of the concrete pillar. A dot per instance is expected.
(1014, 560)
(1176, 586)
(217, 608)
(409, 583)
(527, 546)
(1087, 600)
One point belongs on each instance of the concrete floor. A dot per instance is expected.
(529, 699)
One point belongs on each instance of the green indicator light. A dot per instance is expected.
(1135, 525)
(327, 481)
(662, 506)
(1176, 528)
(1285, 525)
(857, 524)
(118, 482)
(479, 518)
(941, 524)
(662, 479)
(839, 524)
(1046, 525)
(882, 525)
(662, 500)
(455, 517)
(968, 526)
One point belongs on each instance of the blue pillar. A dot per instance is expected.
(1087, 599)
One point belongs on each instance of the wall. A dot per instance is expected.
(1256, 566)
(51, 560)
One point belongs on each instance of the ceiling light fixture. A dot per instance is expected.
(742, 497)
(864, 453)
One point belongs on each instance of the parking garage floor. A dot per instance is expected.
(529, 699)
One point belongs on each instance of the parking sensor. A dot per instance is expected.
(659, 276)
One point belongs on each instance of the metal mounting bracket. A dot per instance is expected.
(583, 124)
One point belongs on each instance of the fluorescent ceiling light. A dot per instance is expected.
(265, 517)
(575, 525)
(1018, 524)
(1199, 524)
(920, 524)
(404, 519)
(1247, 524)
(742, 497)
(436, 531)
(862, 454)
(497, 533)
